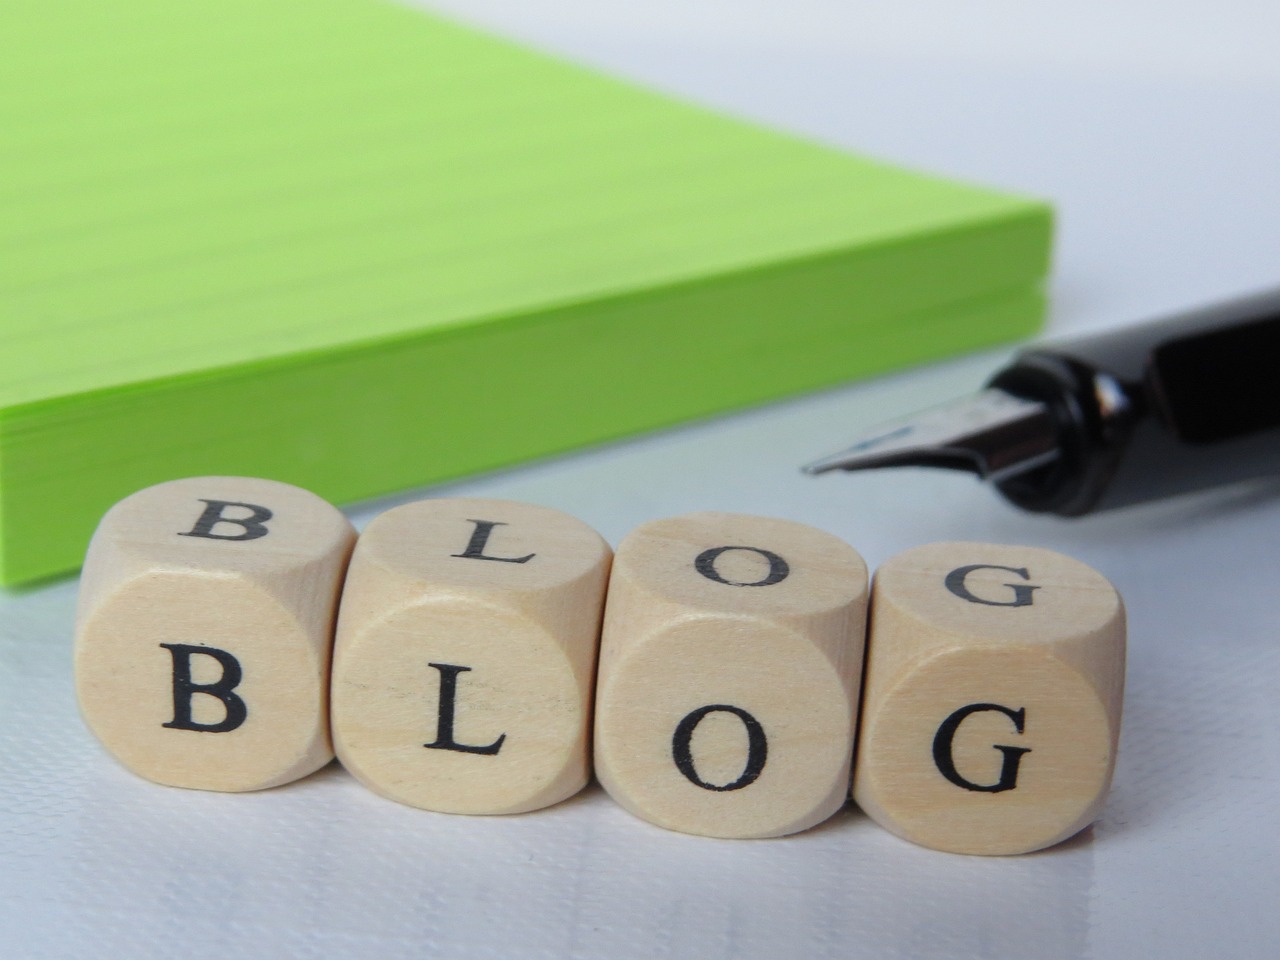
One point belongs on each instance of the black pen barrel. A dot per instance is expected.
(1155, 409)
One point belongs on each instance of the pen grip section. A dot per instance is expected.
(1155, 410)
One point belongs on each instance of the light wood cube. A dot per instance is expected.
(466, 654)
(205, 628)
(991, 711)
(729, 673)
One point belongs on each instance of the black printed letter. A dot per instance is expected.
(479, 538)
(444, 717)
(184, 689)
(757, 747)
(705, 564)
(1012, 755)
(1021, 592)
(252, 526)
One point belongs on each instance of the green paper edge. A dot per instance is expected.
(359, 422)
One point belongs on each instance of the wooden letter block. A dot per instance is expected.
(729, 674)
(205, 628)
(466, 655)
(992, 703)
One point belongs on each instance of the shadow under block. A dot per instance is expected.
(729, 670)
(204, 631)
(466, 654)
(355, 247)
(991, 710)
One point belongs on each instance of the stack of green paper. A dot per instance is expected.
(354, 247)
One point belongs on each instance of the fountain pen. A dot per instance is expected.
(1104, 421)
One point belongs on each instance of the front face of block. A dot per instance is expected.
(466, 655)
(729, 669)
(992, 700)
(204, 631)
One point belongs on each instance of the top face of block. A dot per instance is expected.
(996, 594)
(533, 548)
(238, 524)
(692, 559)
(199, 185)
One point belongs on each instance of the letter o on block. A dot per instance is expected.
(991, 711)
(466, 653)
(205, 628)
(729, 672)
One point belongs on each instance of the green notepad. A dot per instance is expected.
(352, 246)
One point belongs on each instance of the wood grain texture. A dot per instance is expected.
(729, 671)
(205, 628)
(466, 653)
(991, 710)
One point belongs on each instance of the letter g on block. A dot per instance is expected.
(990, 722)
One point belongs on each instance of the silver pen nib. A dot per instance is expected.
(991, 433)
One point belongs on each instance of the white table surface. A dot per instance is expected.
(1153, 127)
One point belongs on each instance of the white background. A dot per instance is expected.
(1154, 129)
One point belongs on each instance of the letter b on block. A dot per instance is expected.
(466, 655)
(992, 700)
(205, 628)
(729, 673)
